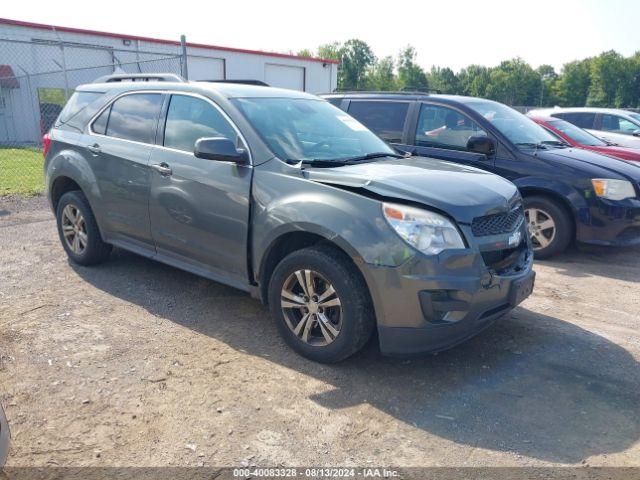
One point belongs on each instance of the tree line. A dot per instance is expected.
(606, 80)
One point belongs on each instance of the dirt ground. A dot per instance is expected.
(137, 363)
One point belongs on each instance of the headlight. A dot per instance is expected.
(426, 231)
(613, 189)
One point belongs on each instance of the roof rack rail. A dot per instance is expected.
(377, 92)
(247, 81)
(140, 77)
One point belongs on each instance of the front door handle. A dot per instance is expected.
(162, 168)
(95, 148)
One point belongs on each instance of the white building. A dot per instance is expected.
(40, 64)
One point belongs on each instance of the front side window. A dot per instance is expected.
(132, 117)
(614, 123)
(189, 119)
(304, 129)
(443, 127)
(577, 134)
(523, 132)
(385, 118)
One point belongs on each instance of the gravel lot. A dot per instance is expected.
(136, 363)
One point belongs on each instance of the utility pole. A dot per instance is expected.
(183, 44)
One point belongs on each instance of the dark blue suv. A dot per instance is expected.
(568, 193)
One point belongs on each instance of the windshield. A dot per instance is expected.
(302, 129)
(577, 134)
(520, 130)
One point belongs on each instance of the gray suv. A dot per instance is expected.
(283, 195)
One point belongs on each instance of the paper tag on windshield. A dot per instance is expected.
(352, 123)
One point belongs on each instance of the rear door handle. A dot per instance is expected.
(162, 168)
(95, 148)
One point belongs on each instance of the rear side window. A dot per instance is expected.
(132, 117)
(580, 119)
(190, 119)
(384, 118)
(100, 123)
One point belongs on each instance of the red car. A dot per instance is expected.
(579, 138)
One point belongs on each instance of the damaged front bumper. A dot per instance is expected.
(431, 303)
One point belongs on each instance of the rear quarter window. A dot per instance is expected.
(76, 105)
(336, 102)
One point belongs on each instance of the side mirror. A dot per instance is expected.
(636, 133)
(481, 144)
(221, 149)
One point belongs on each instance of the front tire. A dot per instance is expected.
(78, 230)
(321, 304)
(549, 225)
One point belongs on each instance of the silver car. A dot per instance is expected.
(615, 126)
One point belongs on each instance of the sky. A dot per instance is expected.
(447, 33)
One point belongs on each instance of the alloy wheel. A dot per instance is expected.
(311, 307)
(74, 229)
(541, 226)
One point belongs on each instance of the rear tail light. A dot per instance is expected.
(46, 143)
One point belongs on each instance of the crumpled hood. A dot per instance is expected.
(457, 190)
(605, 166)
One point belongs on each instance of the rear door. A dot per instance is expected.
(118, 148)
(442, 131)
(199, 208)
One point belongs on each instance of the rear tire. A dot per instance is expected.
(78, 230)
(348, 311)
(549, 225)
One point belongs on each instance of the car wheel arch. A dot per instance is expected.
(61, 185)
(72, 165)
(557, 198)
(297, 239)
(64, 183)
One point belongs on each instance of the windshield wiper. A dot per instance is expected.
(324, 163)
(539, 145)
(336, 162)
(370, 156)
(555, 143)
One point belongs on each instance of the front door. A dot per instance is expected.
(442, 132)
(199, 208)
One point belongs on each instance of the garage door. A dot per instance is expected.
(284, 76)
(204, 68)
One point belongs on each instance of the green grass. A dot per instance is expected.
(21, 171)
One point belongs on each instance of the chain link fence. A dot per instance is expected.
(37, 77)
